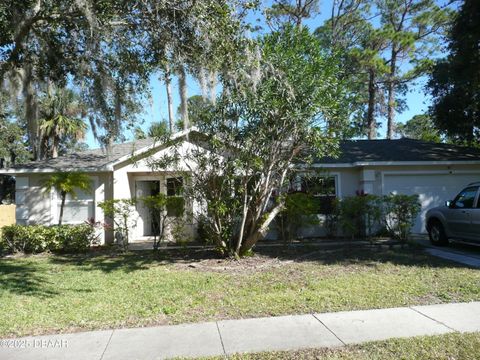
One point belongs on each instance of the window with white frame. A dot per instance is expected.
(21, 210)
(79, 209)
(175, 190)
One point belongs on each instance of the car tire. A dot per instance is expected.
(436, 233)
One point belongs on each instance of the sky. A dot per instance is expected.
(156, 110)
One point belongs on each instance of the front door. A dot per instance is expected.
(146, 221)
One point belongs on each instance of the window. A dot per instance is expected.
(323, 189)
(175, 206)
(319, 186)
(465, 199)
(77, 210)
(174, 186)
(21, 211)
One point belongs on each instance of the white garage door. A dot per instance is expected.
(432, 189)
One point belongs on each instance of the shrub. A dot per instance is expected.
(74, 238)
(300, 210)
(332, 219)
(203, 235)
(400, 214)
(26, 239)
(365, 215)
(121, 212)
(166, 211)
(359, 215)
(40, 238)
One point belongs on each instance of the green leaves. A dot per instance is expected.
(283, 103)
(419, 127)
(455, 81)
(68, 183)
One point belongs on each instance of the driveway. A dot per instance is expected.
(462, 253)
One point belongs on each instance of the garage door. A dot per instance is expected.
(433, 190)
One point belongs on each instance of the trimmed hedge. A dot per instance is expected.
(40, 238)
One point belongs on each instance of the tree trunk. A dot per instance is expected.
(372, 92)
(63, 195)
(168, 86)
(244, 219)
(391, 96)
(202, 77)
(55, 144)
(31, 111)
(212, 85)
(261, 232)
(182, 87)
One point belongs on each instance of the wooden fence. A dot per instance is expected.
(7, 215)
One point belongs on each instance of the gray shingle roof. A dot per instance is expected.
(353, 151)
(88, 160)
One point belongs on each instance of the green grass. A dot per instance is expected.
(47, 294)
(453, 346)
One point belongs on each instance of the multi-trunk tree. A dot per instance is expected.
(282, 107)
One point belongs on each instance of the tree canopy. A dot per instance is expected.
(285, 104)
(107, 50)
(455, 80)
(420, 127)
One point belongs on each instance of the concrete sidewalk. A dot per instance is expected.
(248, 335)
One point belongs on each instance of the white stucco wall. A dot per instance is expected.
(34, 206)
(126, 174)
(446, 181)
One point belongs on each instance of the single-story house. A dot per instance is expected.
(436, 172)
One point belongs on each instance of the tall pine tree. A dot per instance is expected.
(455, 81)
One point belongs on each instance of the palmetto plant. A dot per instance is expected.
(61, 111)
(66, 183)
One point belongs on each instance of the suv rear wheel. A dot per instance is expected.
(436, 233)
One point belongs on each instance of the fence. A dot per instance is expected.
(7, 215)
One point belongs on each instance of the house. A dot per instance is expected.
(436, 172)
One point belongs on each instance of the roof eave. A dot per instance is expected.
(52, 170)
(111, 165)
(397, 163)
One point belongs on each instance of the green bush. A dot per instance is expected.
(332, 219)
(400, 214)
(359, 215)
(366, 215)
(40, 238)
(300, 210)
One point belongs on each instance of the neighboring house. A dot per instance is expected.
(436, 172)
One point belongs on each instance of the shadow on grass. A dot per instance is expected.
(108, 261)
(350, 254)
(24, 278)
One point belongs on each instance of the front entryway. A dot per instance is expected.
(147, 223)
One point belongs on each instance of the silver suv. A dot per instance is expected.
(457, 219)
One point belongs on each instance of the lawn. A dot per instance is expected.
(453, 346)
(48, 294)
